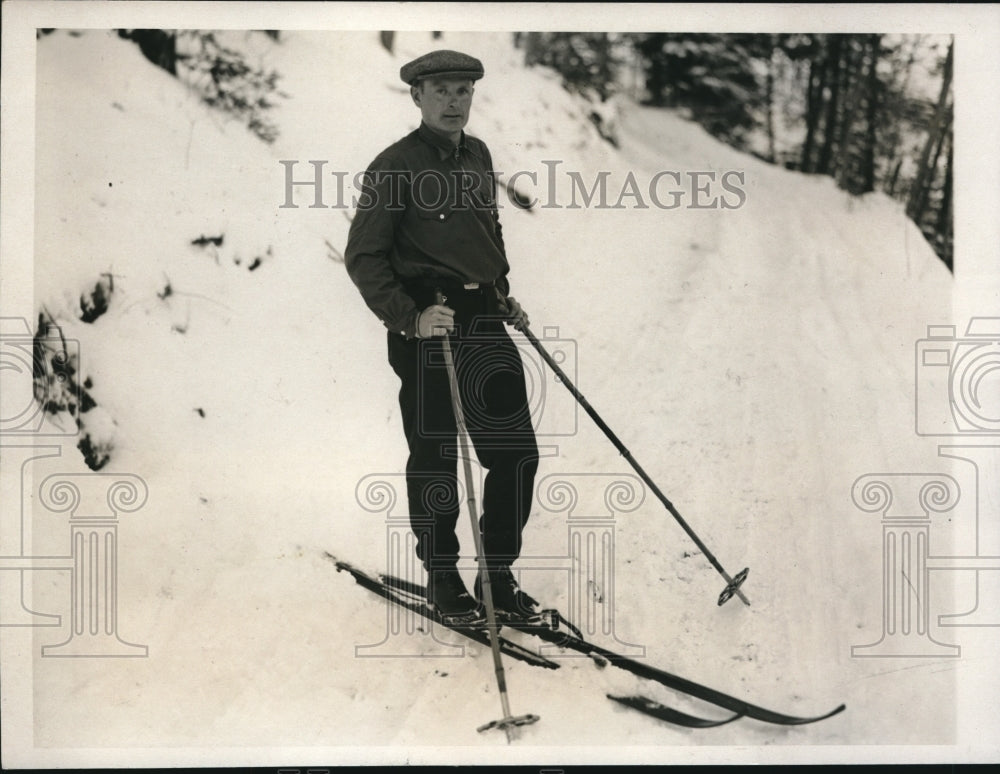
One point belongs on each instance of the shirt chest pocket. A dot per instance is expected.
(441, 201)
(432, 197)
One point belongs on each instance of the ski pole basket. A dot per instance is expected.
(733, 586)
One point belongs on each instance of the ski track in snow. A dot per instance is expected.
(755, 361)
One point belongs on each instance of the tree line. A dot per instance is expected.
(872, 111)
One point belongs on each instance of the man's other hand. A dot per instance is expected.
(513, 312)
(435, 320)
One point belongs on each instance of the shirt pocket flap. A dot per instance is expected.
(440, 214)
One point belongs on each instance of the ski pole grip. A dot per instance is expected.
(439, 299)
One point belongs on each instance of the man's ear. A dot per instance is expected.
(415, 93)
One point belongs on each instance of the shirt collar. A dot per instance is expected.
(444, 147)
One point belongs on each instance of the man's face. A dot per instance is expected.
(444, 103)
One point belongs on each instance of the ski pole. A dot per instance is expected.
(508, 721)
(732, 583)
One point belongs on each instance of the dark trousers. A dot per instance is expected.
(495, 407)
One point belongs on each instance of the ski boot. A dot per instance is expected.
(508, 599)
(447, 594)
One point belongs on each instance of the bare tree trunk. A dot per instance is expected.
(937, 150)
(944, 221)
(770, 108)
(868, 159)
(894, 178)
(814, 96)
(834, 72)
(918, 194)
(892, 162)
(841, 166)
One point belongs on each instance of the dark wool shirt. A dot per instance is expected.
(427, 210)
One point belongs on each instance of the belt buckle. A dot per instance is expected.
(471, 286)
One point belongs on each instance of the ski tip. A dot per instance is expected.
(806, 721)
(835, 711)
(818, 718)
(340, 565)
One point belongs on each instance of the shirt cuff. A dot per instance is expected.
(410, 328)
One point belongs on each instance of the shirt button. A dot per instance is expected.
(441, 216)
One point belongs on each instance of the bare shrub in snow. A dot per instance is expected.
(96, 303)
(225, 80)
(60, 392)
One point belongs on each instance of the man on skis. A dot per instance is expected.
(426, 252)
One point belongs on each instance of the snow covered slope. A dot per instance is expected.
(755, 360)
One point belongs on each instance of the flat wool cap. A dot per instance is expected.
(440, 64)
